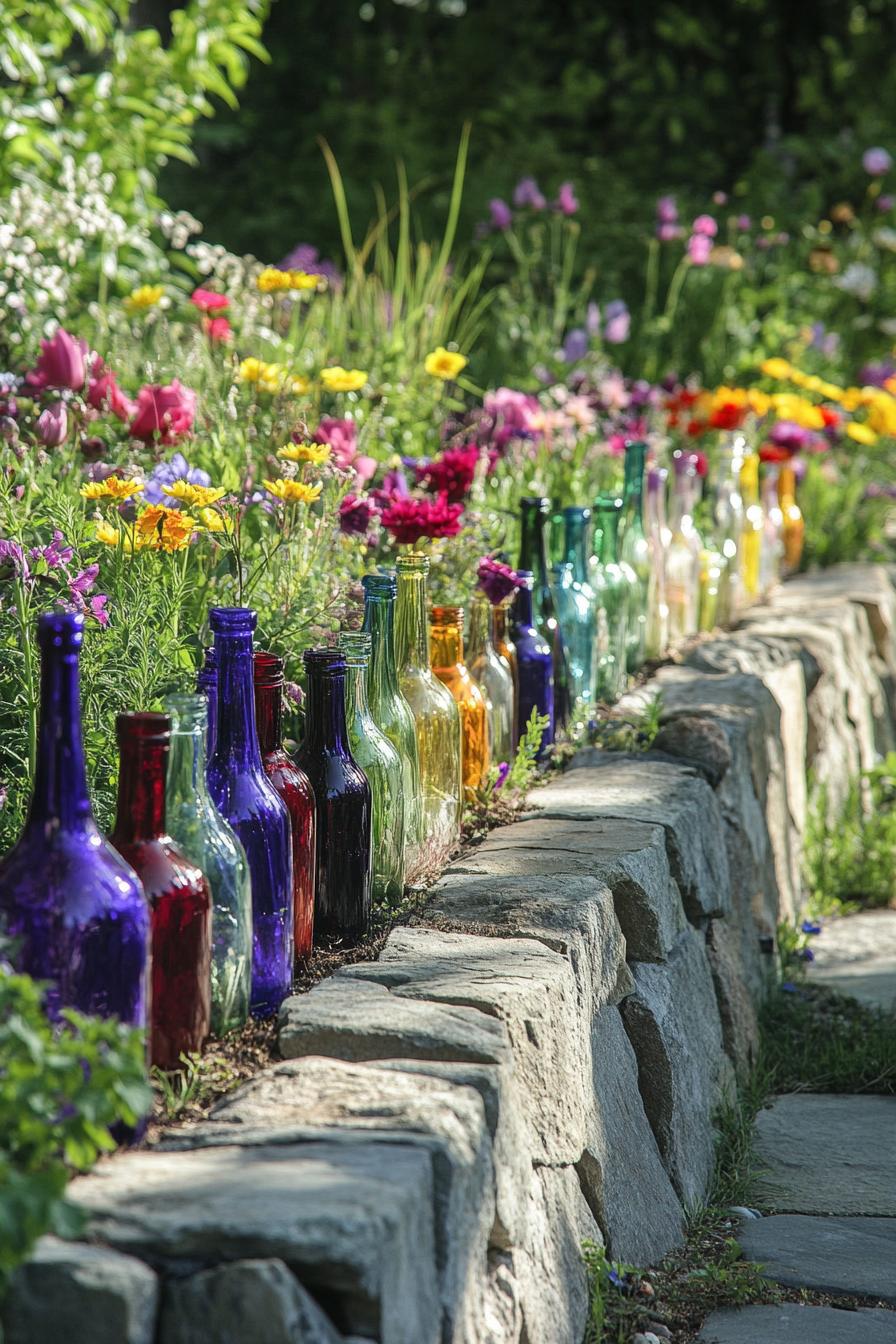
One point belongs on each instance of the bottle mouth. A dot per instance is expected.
(355, 642)
(537, 502)
(232, 620)
(146, 728)
(527, 579)
(573, 513)
(607, 504)
(379, 585)
(267, 670)
(60, 630)
(414, 563)
(324, 662)
(447, 616)
(188, 712)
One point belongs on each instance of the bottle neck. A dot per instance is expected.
(607, 535)
(447, 645)
(269, 717)
(325, 731)
(533, 544)
(60, 781)
(786, 484)
(633, 487)
(479, 635)
(357, 710)
(500, 634)
(522, 609)
(682, 499)
(379, 615)
(186, 766)
(574, 548)
(140, 813)
(411, 625)
(236, 739)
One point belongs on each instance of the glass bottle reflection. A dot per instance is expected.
(344, 806)
(72, 907)
(176, 890)
(381, 763)
(728, 524)
(657, 540)
(447, 652)
(535, 664)
(436, 718)
(293, 786)
(579, 614)
(534, 512)
(793, 527)
(202, 834)
(613, 590)
(772, 527)
(494, 679)
(634, 551)
(246, 799)
(506, 651)
(683, 554)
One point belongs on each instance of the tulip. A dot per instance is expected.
(52, 425)
(164, 412)
(62, 363)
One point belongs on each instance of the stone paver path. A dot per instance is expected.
(857, 955)
(851, 1256)
(790, 1324)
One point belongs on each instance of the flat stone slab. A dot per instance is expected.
(857, 955)
(827, 1154)
(793, 1324)
(849, 1256)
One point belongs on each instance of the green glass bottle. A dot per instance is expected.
(534, 514)
(202, 834)
(436, 720)
(578, 603)
(493, 678)
(634, 551)
(612, 584)
(381, 764)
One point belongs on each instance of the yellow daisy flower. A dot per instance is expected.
(338, 379)
(318, 454)
(860, 433)
(293, 492)
(776, 368)
(199, 496)
(144, 297)
(165, 529)
(442, 363)
(113, 487)
(213, 521)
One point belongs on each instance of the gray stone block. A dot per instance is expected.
(737, 1010)
(550, 1271)
(235, 1303)
(68, 1291)
(630, 857)
(847, 1257)
(793, 1324)
(673, 1023)
(698, 741)
(355, 1229)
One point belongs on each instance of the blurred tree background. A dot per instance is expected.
(771, 101)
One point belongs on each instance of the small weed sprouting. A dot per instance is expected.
(186, 1088)
(503, 791)
(849, 859)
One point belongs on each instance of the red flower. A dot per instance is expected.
(830, 417)
(410, 519)
(728, 416)
(451, 474)
(772, 452)
(167, 412)
(217, 328)
(207, 301)
(104, 394)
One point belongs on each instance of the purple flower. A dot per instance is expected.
(885, 203)
(526, 192)
(496, 580)
(11, 553)
(876, 161)
(666, 210)
(52, 425)
(705, 225)
(294, 693)
(699, 248)
(744, 223)
(503, 772)
(807, 954)
(788, 987)
(592, 319)
(500, 214)
(566, 201)
(356, 516)
(667, 233)
(875, 375)
(790, 436)
(828, 342)
(811, 927)
(575, 347)
(54, 556)
(617, 322)
(304, 257)
(166, 473)
(83, 580)
(97, 606)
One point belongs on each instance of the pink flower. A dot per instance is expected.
(500, 214)
(451, 474)
(217, 329)
(699, 248)
(497, 580)
(566, 201)
(356, 515)
(342, 436)
(876, 161)
(705, 225)
(207, 301)
(165, 412)
(667, 233)
(52, 425)
(104, 394)
(410, 519)
(515, 415)
(62, 363)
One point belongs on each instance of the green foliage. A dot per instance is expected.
(525, 763)
(848, 858)
(842, 521)
(617, 731)
(819, 1041)
(200, 1077)
(60, 1091)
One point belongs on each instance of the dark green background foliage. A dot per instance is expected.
(768, 99)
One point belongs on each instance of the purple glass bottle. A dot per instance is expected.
(207, 685)
(534, 660)
(344, 808)
(74, 908)
(243, 795)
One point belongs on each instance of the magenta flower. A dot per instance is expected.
(876, 161)
(356, 515)
(84, 580)
(526, 192)
(617, 322)
(11, 553)
(705, 225)
(54, 556)
(452, 474)
(667, 233)
(503, 772)
(104, 394)
(566, 201)
(885, 203)
(667, 210)
(500, 214)
(164, 412)
(744, 223)
(699, 248)
(342, 437)
(497, 580)
(208, 300)
(52, 425)
(411, 519)
(62, 363)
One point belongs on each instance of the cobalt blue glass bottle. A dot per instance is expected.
(247, 800)
(535, 664)
(74, 910)
(344, 806)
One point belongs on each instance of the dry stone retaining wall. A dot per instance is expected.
(534, 1063)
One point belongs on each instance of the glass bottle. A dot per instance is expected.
(381, 763)
(293, 786)
(506, 651)
(609, 581)
(207, 685)
(201, 833)
(712, 569)
(793, 527)
(344, 806)
(534, 512)
(447, 644)
(683, 554)
(772, 528)
(535, 664)
(728, 524)
(248, 801)
(754, 526)
(74, 911)
(634, 551)
(178, 893)
(388, 708)
(657, 605)
(579, 615)
(436, 718)
(494, 679)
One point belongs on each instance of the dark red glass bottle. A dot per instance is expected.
(294, 787)
(178, 893)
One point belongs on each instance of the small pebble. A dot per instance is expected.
(646, 1288)
(740, 1211)
(648, 1337)
(661, 1330)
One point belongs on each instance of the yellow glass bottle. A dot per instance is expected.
(447, 643)
(753, 528)
(793, 526)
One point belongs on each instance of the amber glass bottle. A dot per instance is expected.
(446, 630)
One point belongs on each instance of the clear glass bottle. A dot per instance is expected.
(772, 529)
(534, 513)
(74, 910)
(201, 833)
(753, 528)
(535, 664)
(683, 554)
(504, 646)
(293, 786)
(728, 524)
(610, 583)
(493, 677)
(178, 892)
(381, 764)
(447, 646)
(793, 527)
(344, 806)
(657, 539)
(579, 608)
(436, 720)
(207, 685)
(634, 551)
(247, 800)
(389, 709)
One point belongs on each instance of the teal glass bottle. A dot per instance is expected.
(578, 604)
(634, 551)
(534, 514)
(388, 708)
(494, 679)
(381, 763)
(202, 834)
(615, 596)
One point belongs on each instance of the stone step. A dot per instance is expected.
(842, 1256)
(791, 1324)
